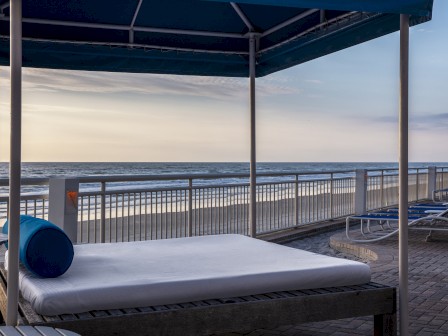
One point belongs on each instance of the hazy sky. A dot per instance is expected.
(342, 107)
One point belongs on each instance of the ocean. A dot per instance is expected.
(52, 169)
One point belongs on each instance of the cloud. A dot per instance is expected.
(424, 30)
(46, 80)
(422, 122)
(433, 122)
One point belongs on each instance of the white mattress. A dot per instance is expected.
(138, 274)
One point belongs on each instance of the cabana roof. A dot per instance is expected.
(197, 37)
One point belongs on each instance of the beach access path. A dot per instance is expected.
(428, 283)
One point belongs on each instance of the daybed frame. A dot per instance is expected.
(227, 314)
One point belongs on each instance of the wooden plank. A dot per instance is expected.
(83, 316)
(68, 317)
(28, 331)
(27, 313)
(249, 298)
(230, 300)
(115, 312)
(51, 319)
(285, 294)
(9, 331)
(130, 310)
(273, 296)
(143, 309)
(2, 291)
(199, 304)
(47, 331)
(322, 291)
(64, 332)
(99, 313)
(297, 293)
(160, 308)
(213, 302)
(174, 306)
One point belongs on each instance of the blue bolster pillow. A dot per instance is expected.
(44, 248)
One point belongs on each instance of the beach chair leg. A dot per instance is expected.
(429, 237)
(385, 325)
(362, 227)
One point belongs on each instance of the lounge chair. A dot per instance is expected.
(440, 195)
(237, 296)
(376, 226)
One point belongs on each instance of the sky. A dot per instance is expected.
(341, 107)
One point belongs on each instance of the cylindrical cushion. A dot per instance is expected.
(44, 248)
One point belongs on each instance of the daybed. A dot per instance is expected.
(198, 286)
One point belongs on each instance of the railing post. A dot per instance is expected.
(103, 213)
(296, 200)
(331, 196)
(432, 179)
(416, 186)
(382, 189)
(190, 207)
(360, 191)
(441, 185)
(63, 205)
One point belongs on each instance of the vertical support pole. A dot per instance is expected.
(15, 162)
(403, 176)
(296, 200)
(360, 191)
(331, 197)
(190, 207)
(431, 183)
(103, 213)
(382, 189)
(63, 205)
(253, 160)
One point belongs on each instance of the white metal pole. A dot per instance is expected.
(253, 160)
(15, 162)
(403, 175)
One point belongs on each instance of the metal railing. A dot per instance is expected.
(190, 210)
(442, 178)
(382, 187)
(119, 208)
(32, 203)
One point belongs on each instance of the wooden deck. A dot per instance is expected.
(226, 314)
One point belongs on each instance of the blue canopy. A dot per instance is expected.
(197, 37)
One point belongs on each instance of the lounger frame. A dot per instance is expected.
(227, 314)
(383, 220)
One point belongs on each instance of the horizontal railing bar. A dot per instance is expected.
(201, 187)
(130, 191)
(26, 197)
(396, 169)
(131, 178)
(4, 182)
